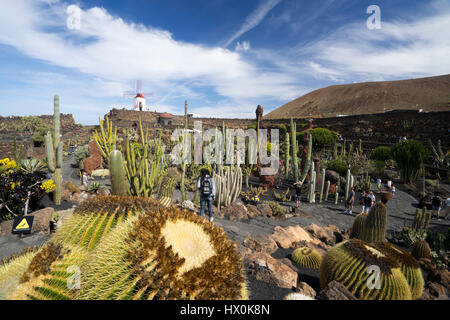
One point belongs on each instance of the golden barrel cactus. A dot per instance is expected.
(307, 258)
(409, 265)
(353, 263)
(421, 249)
(165, 253)
(358, 226)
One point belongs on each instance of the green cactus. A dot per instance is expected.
(308, 161)
(358, 226)
(106, 139)
(228, 182)
(360, 147)
(185, 146)
(421, 219)
(322, 185)
(294, 148)
(307, 258)
(312, 185)
(375, 224)
(117, 174)
(421, 249)
(347, 184)
(350, 148)
(350, 263)
(54, 149)
(286, 155)
(408, 265)
(164, 254)
(327, 190)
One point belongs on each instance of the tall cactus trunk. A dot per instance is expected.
(183, 165)
(117, 174)
(294, 148)
(327, 190)
(322, 185)
(286, 156)
(308, 161)
(347, 184)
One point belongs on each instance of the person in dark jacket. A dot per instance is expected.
(298, 193)
(207, 191)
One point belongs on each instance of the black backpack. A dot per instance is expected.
(205, 185)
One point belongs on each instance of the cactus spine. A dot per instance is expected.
(327, 190)
(54, 149)
(294, 148)
(286, 155)
(119, 184)
(322, 185)
(375, 224)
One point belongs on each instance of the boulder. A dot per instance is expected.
(95, 160)
(268, 269)
(41, 222)
(252, 211)
(331, 176)
(324, 234)
(441, 276)
(260, 243)
(305, 289)
(285, 237)
(335, 291)
(6, 227)
(265, 209)
(436, 290)
(188, 204)
(235, 212)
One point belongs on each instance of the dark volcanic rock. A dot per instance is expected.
(335, 291)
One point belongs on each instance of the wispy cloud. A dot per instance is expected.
(254, 19)
(242, 46)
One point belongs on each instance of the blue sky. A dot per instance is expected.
(224, 56)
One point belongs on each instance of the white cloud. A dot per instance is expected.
(254, 19)
(242, 46)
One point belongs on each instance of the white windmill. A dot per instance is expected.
(138, 95)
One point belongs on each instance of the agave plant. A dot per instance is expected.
(95, 187)
(32, 166)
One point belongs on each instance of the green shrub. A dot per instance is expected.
(409, 156)
(81, 153)
(381, 153)
(338, 165)
(321, 137)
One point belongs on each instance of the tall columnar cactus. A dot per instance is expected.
(335, 150)
(308, 161)
(350, 148)
(375, 224)
(119, 184)
(228, 184)
(327, 190)
(287, 155)
(185, 146)
(343, 148)
(54, 148)
(360, 147)
(421, 219)
(294, 148)
(106, 139)
(312, 184)
(322, 185)
(438, 154)
(347, 184)
(351, 263)
(145, 165)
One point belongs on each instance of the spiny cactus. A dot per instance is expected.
(421, 219)
(54, 149)
(119, 183)
(327, 190)
(308, 161)
(358, 226)
(12, 269)
(228, 182)
(347, 184)
(375, 224)
(348, 263)
(106, 139)
(282, 197)
(409, 266)
(95, 217)
(164, 254)
(307, 258)
(322, 185)
(294, 148)
(48, 276)
(421, 249)
(287, 155)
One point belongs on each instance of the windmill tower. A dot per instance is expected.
(138, 95)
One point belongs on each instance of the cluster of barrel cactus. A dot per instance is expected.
(371, 227)
(131, 248)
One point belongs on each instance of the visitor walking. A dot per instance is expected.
(349, 202)
(298, 193)
(393, 190)
(379, 185)
(388, 184)
(367, 203)
(84, 178)
(372, 196)
(207, 190)
(361, 200)
(436, 203)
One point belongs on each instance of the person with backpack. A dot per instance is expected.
(436, 203)
(207, 191)
(298, 193)
(367, 203)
